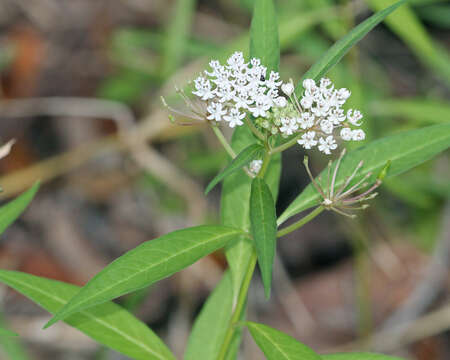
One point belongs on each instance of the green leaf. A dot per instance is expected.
(405, 24)
(148, 263)
(12, 210)
(109, 324)
(211, 324)
(264, 42)
(277, 345)
(177, 34)
(415, 110)
(242, 159)
(358, 356)
(405, 150)
(263, 221)
(341, 47)
(236, 187)
(4, 332)
(11, 346)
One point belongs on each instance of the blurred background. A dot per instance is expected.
(81, 82)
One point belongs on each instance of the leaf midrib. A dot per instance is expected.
(147, 269)
(93, 317)
(404, 154)
(280, 350)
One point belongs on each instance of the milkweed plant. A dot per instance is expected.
(267, 116)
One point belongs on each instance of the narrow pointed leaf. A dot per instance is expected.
(277, 345)
(264, 228)
(109, 324)
(242, 159)
(4, 332)
(405, 150)
(341, 47)
(211, 324)
(148, 263)
(264, 41)
(358, 356)
(12, 210)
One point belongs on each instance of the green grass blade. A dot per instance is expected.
(405, 24)
(341, 47)
(4, 332)
(277, 345)
(263, 221)
(405, 150)
(210, 326)
(148, 263)
(109, 324)
(176, 41)
(414, 110)
(243, 159)
(12, 210)
(358, 356)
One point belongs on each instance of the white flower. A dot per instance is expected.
(307, 140)
(306, 120)
(358, 135)
(203, 87)
(216, 111)
(280, 101)
(287, 88)
(272, 82)
(234, 118)
(353, 116)
(309, 85)
(306, 102)
(261, 106)
(236, 61)
(337, 116)
(346, 134)
(255, 166)
(343, 94)
(325, 145)
(326, 126)
(289, 126)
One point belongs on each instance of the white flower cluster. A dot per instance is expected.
(236, 88)
(318, 113)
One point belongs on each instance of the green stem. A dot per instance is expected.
(301, 222)
(235, 318)
(286, 145)
(223, 141)
(254, 130)
(265, 165)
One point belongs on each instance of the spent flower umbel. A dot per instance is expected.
(345, 198)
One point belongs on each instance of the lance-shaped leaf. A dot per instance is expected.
(405, 150)
(277, 345)
(12, 210)
(263, 222)
(109, 324)
(264, 41)
(211, 324)
(341, 47)
(148, 263)
(358, 356)
(4, 332)
(244, 157)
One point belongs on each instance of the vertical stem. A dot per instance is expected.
(265, 165)
(239, 307)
